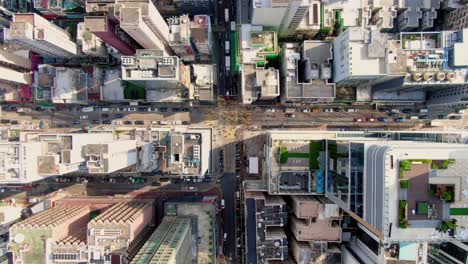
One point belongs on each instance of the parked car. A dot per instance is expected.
(83, 117)
(121, 109)
(118, 115)
(270, 110)
(291, 115)
(143, 109)
(351, 110)
(456, 117)
(393, 114)
(400, 119)
(106, 122)
(132, 109)
(14, 122)
(316, 110)
(328, 110)
(185, 122)
(424, 117)
(176, 122)
(127, 122)
(406, 111)
(358, 120)
(75, 122)
(152, 109)
(96, 122)
(371, 119)
(338, 110)
(5, 121)
(306, 110)
(139, 122)
(383, 119)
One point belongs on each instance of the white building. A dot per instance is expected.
(286, 16)
(259, 83)
(143, 22)
(89, 43)
(15, 71)
(179, 37)
(204, 81)
(39, 35)
(38, 156)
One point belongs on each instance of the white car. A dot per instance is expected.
(152, 109)
(132, 109)
(271, 110)
(83, 117)
(329, 110)
(306, 110)
(177, 122)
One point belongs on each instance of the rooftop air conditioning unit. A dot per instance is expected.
(417, 76)
(428, 76)
(450, 76)
(440, 76)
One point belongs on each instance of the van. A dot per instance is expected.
(222, 204)
(424, 110)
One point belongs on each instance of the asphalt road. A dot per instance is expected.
(229, 187)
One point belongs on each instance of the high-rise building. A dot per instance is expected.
(457, 19)
(306, 72)
(180, 39)
(15, 73)
(256, 44)
(165, 78)
(143, 22)
(88, 43)
(285, 16)
(171, 243)
(39, 35)
(204, 81)
(194, 7)
(259, 83)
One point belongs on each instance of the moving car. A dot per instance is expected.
(358, 120)
(127, 122)
(139, 122)
(83, 117)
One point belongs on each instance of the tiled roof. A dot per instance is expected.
(53, 216)
(75, 238)
(122, 212)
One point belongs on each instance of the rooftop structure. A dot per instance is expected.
(200, 32)
(259, 83)
(265, 217)
(423, 60)
(88, 43)
(418, 14)
(54, 8)
(457, 19)
(110, 32)
(62, 85)
(256, 44)
(307, 72)
(165, 78)
(143, 22)
(109, 157)
(112, 88)
(204, 81)
(39, 35)
(179, 37)
(171, 242)
(315, 219)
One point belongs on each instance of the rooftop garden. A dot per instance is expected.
(443, 191)
(405, 165)
(402, 214)
(314, 151)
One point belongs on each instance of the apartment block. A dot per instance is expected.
(259, 83)
(88, 43)
(110, 32)
(15, 73)
(34, 32)
(418, 15)
(306, 72)
(61, 85)
(143, 22)
(108, 157)
(180, 37)
(165, 78)
(171, 242)
(265, 217)
(56, 8)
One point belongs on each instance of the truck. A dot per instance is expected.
(228, 63)
(227, 46)
(87, 109)
(226, 15)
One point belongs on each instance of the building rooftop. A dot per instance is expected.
(53, 217)
(203, 85)
(77, 237)
(123, 212)
(112, 88)
(200, 29)
(149, 64)
(255, 44)
(259, 83)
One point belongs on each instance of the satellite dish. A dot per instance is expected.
(19, 238)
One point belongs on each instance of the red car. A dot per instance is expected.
(358, 120)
